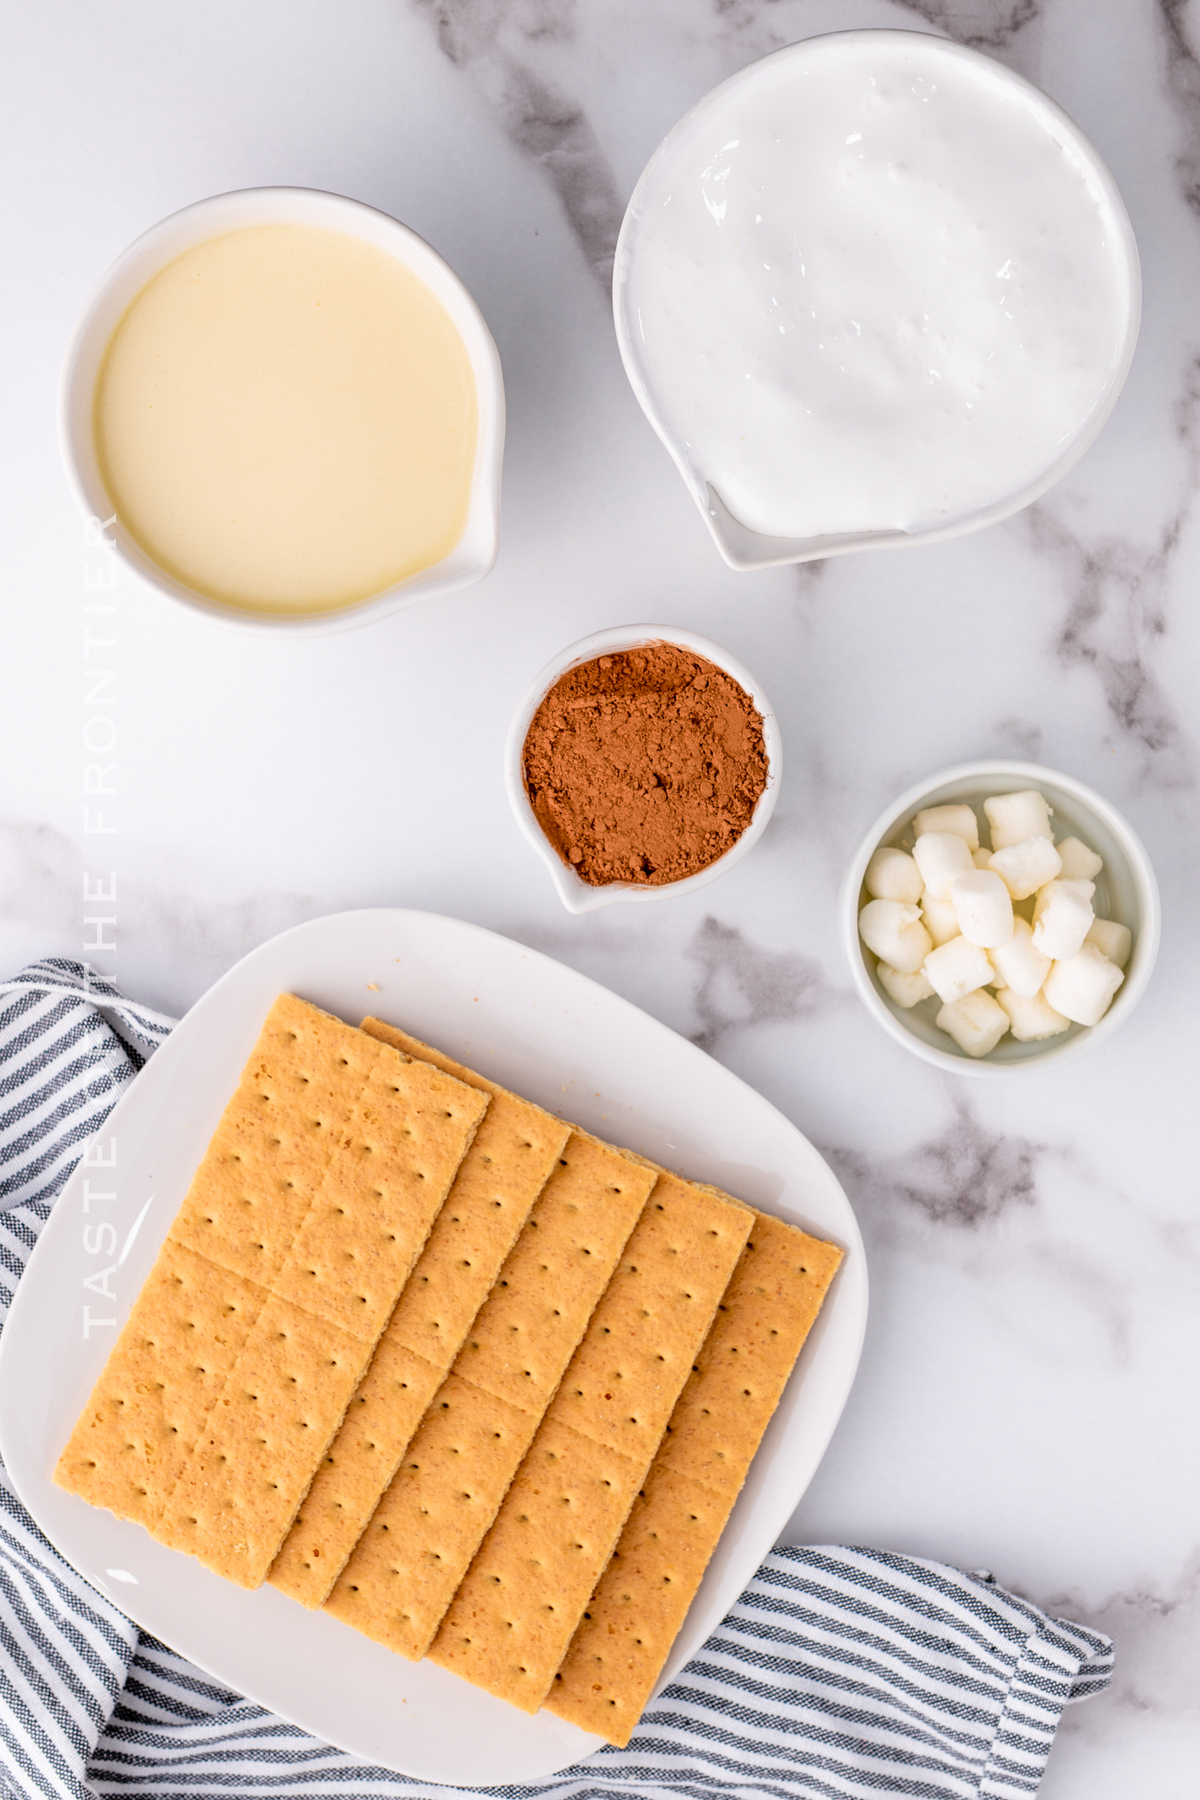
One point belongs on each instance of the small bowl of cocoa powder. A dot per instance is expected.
(643, 761)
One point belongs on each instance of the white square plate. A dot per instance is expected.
(540, 1029)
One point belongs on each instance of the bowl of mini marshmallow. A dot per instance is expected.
(1000, 916)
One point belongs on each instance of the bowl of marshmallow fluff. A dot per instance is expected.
(873, 291)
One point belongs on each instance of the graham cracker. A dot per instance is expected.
(633, 1618)
(269, 1153)
(399, 1153)
(531, 1322)
(400, 1133)
(380, 1421)
(515, 1148)
(263, 1439)
(617, 1394)
(504, 1630)
(773, 1299)
(642, 1339)
(514, 1153)
(406, 1566)
(225, 1248)
(514, 1357)
(149, 1406)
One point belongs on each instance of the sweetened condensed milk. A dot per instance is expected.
(286, 420)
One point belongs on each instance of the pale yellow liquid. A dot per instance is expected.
(286, 420)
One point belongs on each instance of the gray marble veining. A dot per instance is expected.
(1114, 627)
(491, 38)
(742, 984)
(967, 1176)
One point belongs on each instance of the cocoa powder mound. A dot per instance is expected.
(645, 765)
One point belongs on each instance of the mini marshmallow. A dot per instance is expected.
(1062, 918)
(1112, 940)
(984, 908)
(1015, 817)
(958, 968)
(976, 1022)
(893, 875)
(1031, 1016)
(940, 918)
(981, 858)
(959, 820)
(940, 856)
(1020, 967)
(904, 989)
(1082, 986)
(1027, 866)
(1078, 862)
(895, 933)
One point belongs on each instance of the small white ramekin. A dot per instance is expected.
(1125, 890)
(576, 895)
(475, 552)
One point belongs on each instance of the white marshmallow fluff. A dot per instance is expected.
(874, 283)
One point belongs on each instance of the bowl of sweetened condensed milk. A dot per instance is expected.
(873, 291)
(289, 411)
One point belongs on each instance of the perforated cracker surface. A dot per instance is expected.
(149, 1406)
(318, 1104)
(620, 1646)
(380, 1421)
(635, 1614)
(514, 1152)
(641, 1341)
(268, 1156)
(761, 1324)
(527, 1329)
(506, 1629)
(405, 1569)
(617, 1395)
(269, 1427)
(399, 1153)
(513, 1358)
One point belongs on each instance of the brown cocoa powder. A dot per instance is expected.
(644, 766)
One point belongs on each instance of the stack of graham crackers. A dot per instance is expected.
(478, 1384)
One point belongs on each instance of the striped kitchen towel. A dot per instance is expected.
(70, 1044)
(839, 1675)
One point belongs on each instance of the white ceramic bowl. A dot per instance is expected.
(1125, 890)
(741, 547)
(475, 552)
(576, 895)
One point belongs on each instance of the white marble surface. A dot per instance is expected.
(1027, 1399)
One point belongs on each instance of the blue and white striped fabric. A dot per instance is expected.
(839, 1675)
(70, 1044)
